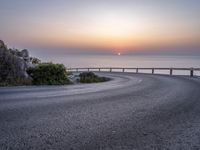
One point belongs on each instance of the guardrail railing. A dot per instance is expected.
(137, 70)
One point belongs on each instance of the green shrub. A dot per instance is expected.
(49, 74)
(90, 77)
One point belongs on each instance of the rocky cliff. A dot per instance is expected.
(13, 63)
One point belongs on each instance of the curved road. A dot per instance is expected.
(132, 111)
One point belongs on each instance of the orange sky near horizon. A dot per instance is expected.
(116, 26)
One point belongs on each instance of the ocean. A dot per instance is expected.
(128, 61)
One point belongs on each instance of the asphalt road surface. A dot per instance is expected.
(132, 111)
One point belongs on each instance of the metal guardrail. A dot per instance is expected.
(137, 70)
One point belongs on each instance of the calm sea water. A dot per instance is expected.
(126, 61)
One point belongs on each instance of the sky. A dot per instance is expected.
(102, 26)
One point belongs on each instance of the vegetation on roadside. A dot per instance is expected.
(49, 74)
(16, 82)
(18, 68)
(35, 60)
(90, 77)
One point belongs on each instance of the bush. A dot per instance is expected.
(49, 74)
(90, 77)
(35, 60)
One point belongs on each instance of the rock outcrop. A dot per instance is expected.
(13, 63)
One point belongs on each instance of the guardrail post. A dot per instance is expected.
(171, 71)
(152, 70)
(191, 72)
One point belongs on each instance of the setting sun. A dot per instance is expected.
(102, 27)
(99, 74)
